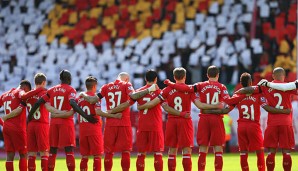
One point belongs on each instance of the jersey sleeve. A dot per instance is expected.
(164, 94)
(1, 122)
(97, 105)
(31, 93)
(129, 88)
(1, 101)
(235, 99)
(72, 94)
(263, 101)
(195, 96)
(224, 93)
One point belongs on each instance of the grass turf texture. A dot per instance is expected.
(231, 163)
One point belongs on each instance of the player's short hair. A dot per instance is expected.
(151, 75)
(90, 82)
(212, 71)
(65, 76)
(179, 73)
(123, 75)
(25, 83)
(245, 78)
(39, 78)
(278, 71)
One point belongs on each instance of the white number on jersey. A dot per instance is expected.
(87, 111)
(112, 98)
(214, 100)
(146, 99)
(7, 107)
(278, 95)
(246, 115)
(61, 99)
(178, 103)
(37, 114)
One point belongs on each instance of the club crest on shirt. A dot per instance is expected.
(73, 94)
(263, 99)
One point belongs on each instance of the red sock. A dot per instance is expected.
(202, 161)
(97, 163)
(261, 161)
(218, 162)
(158, 163)
(270, 161)
(125, 161)
(31, 163)
(51, 162)
(172, 162)
(84, 164)
(70, 161)
(9, 165)
(287, 161)
(186, 162)
(44, 163)
(140, 162)
(23, 164)
(108, 162)
(243, 161)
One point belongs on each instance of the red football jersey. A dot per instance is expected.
(249, 108)
(10, 100)
(86, 128)
(212, 92)
(115, 93)
(180, 101)
(150, 119)
(59, 97)
(278, 99)
(41, 115)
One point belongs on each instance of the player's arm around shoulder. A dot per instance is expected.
(13, 113)
(108, 115)
(150, 104)
(90, 99)
(139, 94)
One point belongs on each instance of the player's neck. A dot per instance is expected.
(180, 81)
(213, 79)
(38, 86)
(150, 83)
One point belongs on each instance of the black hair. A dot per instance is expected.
(65, 77)
(90, 82)
(151, 75)
(25, 83)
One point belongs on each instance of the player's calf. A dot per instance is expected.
(140, 164)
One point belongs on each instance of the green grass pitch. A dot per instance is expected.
(231, 163)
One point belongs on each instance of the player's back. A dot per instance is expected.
(180, 101)
(87, 128)
(281, 100)
(115, 93)
(212, 92)
(41, 115)
(59, 97)
(11, 100)
(149, 119)
(249, 108)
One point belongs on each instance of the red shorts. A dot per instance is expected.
(249, 136)
(211, 131)
(179, 133)
(15, 140)
(117, 138)
(38, 137)
(91, 145)
(62, 135)
(150, 141)
(281, 136)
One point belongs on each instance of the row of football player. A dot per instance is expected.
(180, 102)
